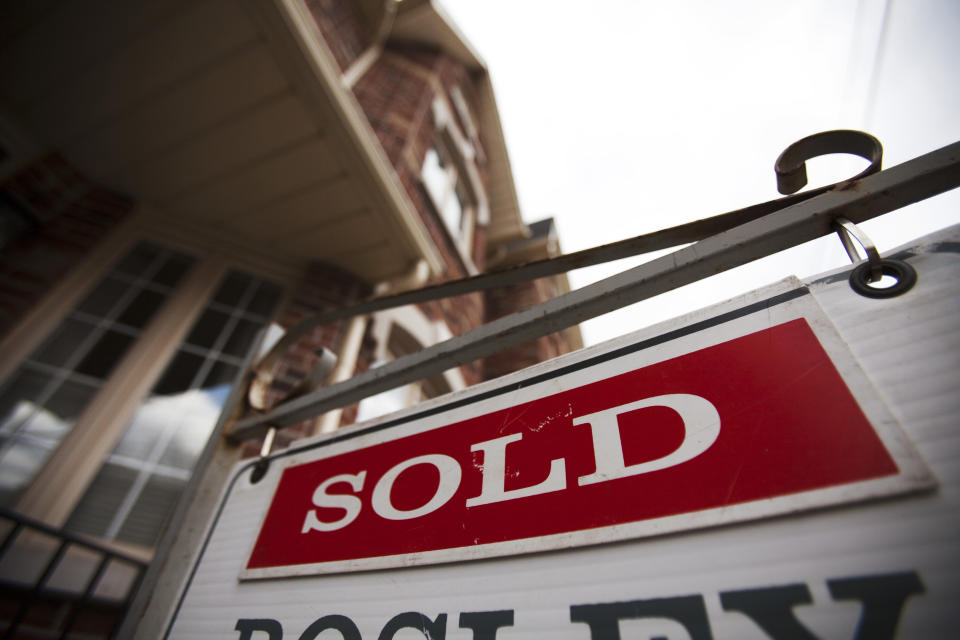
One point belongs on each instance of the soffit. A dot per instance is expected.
(192, 108)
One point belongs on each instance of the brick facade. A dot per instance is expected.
(396, 94)
(68, 216)
(346, 32)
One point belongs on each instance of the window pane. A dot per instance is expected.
(207, 329)
(384, 402)
(265, 300)
(200, 410)
(141, 309)
(179, 374)
(19, 461)
(63, 344)
(436, 178)
(18, 398)
(105, 354)
(241, 337)
(44, 428)
(102, 500)
(220, 374)
(70, 399)
(144, 432)
(154, 507)
(173, 270)
(232, 289)
(104, 296)
(451, 210)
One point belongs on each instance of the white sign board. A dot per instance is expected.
(748, 471)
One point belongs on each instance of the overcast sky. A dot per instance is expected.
(624, 117)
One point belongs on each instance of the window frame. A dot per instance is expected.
(392, 328)
(462, 176)
(63, 479)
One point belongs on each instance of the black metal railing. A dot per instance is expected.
(54, 584)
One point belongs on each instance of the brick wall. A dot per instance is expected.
(396, 94)
(69, 215)
(346, 32)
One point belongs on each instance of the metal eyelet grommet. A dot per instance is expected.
(260, 469)
(905, 275)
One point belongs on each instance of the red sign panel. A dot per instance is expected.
(760, 416)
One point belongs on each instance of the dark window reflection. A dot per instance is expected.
(241, 338)
(20, 394)
(179, 374)
(208, 328)
(141, 309)
(64, 343)
(104, 297)
(173, 270)
(220, 373)
(233, 288)
(265, 300)
(105, 354)
(70, 399)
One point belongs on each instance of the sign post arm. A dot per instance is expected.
(861, 200)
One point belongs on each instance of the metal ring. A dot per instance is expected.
(905, 274)
(846, 230)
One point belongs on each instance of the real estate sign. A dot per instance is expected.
(717, 476)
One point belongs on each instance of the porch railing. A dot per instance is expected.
(54, 584)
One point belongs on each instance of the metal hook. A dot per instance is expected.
(791, 166)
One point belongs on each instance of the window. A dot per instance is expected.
(139, 484)
(42, 399)
(448, 192)
(452, 181)
(400, 343)
(102, 422)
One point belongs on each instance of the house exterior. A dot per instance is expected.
(177, 176)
